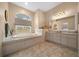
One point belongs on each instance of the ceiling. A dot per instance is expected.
(33, 6)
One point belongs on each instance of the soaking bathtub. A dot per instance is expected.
(20, 41)
(20, 36)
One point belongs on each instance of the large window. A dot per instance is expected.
(23, 23)
(22, 29)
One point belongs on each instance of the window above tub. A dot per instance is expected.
(23, 23)
(24, 17)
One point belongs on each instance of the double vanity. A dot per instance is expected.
(64, 31)
(65, 38)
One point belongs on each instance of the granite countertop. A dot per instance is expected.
(69, 33)
(65, 32)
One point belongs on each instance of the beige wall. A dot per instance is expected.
(78, 6)
(78, 29)
(3, 6)
(67, 9)
(13, 10)
(39, 19)
(1, 32)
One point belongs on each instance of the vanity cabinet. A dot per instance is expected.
(64, 38)
(69, 40)
(54, 37)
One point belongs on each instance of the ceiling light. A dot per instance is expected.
(26, 3)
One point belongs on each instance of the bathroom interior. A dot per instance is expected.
(39, 29)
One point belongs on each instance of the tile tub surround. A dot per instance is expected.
(16, 45)
(45, 49)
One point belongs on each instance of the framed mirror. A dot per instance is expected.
(6, 15)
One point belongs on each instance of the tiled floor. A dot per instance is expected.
(45, 49)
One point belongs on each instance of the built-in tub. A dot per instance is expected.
(20, 36)
(20, 41)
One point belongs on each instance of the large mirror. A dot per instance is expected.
(64, 24)
(23, 23)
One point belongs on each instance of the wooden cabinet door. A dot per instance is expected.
(47, 36)
(54, 37)
(72, 41)
(69, 40)
(51, 37)
(58, 37)
(64, 40)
